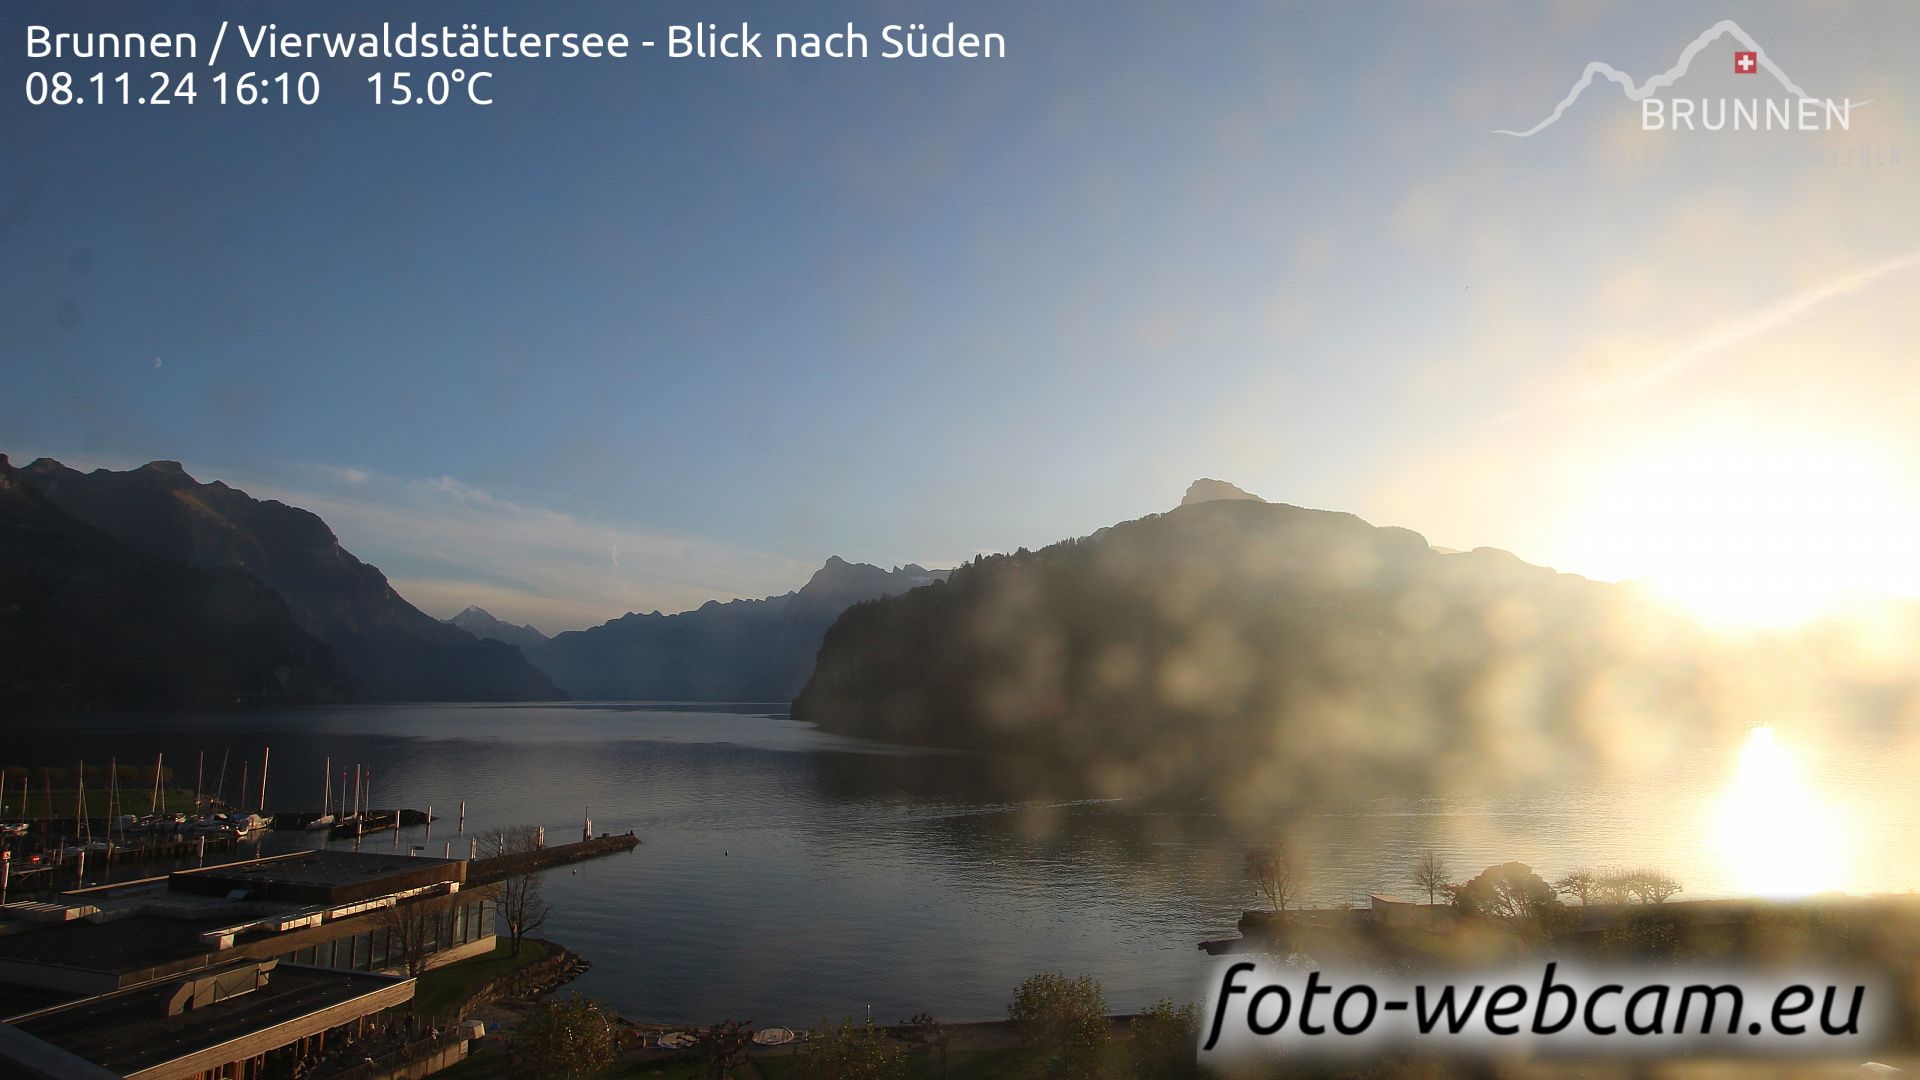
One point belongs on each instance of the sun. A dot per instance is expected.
(1756, 533)
(1776, 836)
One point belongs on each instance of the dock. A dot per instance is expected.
(501, 867)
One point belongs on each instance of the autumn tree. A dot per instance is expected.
(571, 1038)
(852, 1051)
(1276, 873)
(523, 905)
(1430, 873)
(1064, 1018)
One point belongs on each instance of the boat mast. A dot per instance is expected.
(326, 786)
(243, 787)
(80, 830)
(199, 775)
(266, 754)
(158, 761)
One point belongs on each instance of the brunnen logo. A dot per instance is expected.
(1795, 110)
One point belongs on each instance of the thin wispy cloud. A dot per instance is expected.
(446, 543)
(1753, 323)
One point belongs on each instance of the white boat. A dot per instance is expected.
(774, 1036)
(235, 824)
(677, 1040)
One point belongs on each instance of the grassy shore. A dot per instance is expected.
(440, 991)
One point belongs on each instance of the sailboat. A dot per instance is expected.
(325, 820)
(243, 822)
(83, 827)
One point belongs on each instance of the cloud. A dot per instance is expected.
(1761, 320)
(445, 543)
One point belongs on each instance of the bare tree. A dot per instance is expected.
(1612, 887)
(1582, 885)
(523, 905)
(1277, 874)
(1649, 886)
(410, 926)
(1430, 873)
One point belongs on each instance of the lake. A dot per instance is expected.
(787, 876)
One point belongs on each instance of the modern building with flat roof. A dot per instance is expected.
(358, 911)
(239, 1020)
(237, 971)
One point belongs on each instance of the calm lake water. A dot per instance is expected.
(787, 876)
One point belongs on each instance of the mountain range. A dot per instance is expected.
(480, 622)
(157, 516)
(741, 650)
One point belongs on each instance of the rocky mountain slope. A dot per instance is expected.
(394, 650)
(86, 621)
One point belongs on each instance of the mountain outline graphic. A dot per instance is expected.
(1640, 91)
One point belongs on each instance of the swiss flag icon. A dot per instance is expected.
(1745, 63)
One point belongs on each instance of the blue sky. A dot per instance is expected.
(648, 332)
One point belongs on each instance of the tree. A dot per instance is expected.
(1276, 873)
(1612, 888)
(410, 927)
(1582, 885)
(1430, 873)
(850, 1051)
(1513, 893)
(923, 1029)
(523, 905)
(1650, 886)
(1066, 1018)
(1163, 1040)
(1637, 886)
(570, 1038)
(724, 1045)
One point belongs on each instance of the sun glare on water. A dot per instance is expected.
(1755, 535)
(1776, 836)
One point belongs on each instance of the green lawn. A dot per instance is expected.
(440, 990)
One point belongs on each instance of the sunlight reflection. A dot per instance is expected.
(1777, 837)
